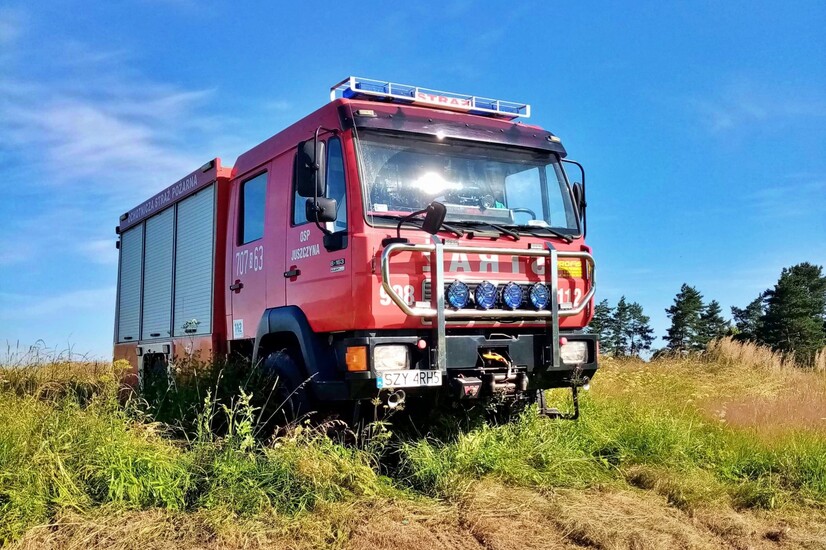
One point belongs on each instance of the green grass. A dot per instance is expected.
(70, 441)
(613, 440)
(81, 448)
(55, 453)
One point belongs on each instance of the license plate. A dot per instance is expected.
(408, 378)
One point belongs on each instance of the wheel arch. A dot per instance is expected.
(287, 327)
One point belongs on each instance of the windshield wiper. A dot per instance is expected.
(455, 230)
(497, 227)
(535, 231)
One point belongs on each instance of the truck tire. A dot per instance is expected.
(154, 378)
(289, 401)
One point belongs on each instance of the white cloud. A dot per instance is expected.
(95, 118)
(86, 160)
(791, 199)
(10, 254)
(90, 143)
(100, 251)
(21, 306)
(79, 147)
(11, 26)
(747, 103)
(81, 139)
(279, 105)
(57, 230)
(77, 136)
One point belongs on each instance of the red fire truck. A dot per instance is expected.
(399, 242)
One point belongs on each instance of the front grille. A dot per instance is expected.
(526, 302)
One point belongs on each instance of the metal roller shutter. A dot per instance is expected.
(194, 264)
(157, 276)
(129, 285)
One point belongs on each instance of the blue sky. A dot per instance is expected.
(702, 126)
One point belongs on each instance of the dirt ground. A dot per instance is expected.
(491, 517)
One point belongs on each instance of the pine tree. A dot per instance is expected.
(712, 324)
(617, 328)
(628, 330)
(796, 312)
(599, 325)
(683, 335)
(639, 332)
(748, 320)
(622, 330)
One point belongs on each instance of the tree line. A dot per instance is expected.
(789, 318)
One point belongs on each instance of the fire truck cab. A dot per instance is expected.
(397, 242)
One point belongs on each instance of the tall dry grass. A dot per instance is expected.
(795, 403)
(819, 363)
(730, 352)
(750, 354)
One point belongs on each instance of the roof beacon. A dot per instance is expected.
(376, 90)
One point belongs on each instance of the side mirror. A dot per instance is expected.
(579, 198)
(434, 217)
(309, 173)
(322, 210)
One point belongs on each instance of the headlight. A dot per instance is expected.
(540, 296)
(391, 357)
(485, 295)
(574, 353)
(512, 295)
(458, 294)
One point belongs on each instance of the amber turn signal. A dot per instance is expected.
(356, 358)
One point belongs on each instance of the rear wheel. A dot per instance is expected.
(154, 377)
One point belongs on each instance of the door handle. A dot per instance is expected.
(292, 273)
(236, 286)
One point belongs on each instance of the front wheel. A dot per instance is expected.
(288, 399)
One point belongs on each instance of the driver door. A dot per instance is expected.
(319, 279)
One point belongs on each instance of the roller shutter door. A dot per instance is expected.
(157, 276)
(129, 285)
(194, 264)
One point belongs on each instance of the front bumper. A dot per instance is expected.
(531, 354)
(513, 363)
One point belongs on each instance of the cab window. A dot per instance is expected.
(335, 182)
(336, 188)
(251, 209)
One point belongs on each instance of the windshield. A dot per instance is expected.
(477, 183)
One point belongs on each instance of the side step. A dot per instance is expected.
(553, 412)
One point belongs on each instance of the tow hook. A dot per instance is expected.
(396, 399)
(552, 412)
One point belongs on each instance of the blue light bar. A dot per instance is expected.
(364, 88)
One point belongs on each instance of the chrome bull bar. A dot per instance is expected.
(440, 313)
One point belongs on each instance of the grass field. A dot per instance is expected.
(727, 450)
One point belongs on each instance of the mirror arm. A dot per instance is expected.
(407, 219)
(398, 238)
(430, 224)
(316, 169)
(584, 202)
